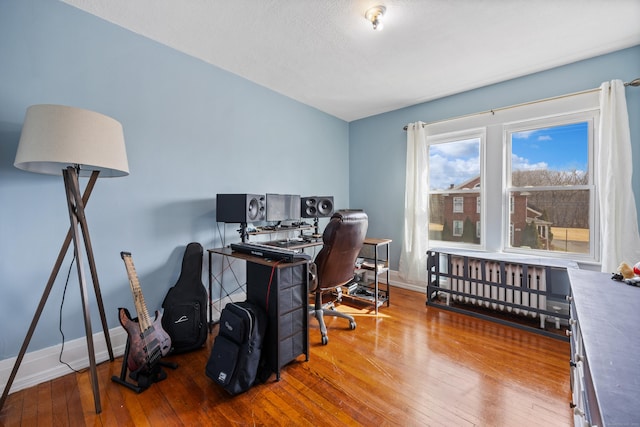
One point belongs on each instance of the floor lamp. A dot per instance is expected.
(68, 141)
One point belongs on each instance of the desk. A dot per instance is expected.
(288, 244)
(281, 289)
(294, 243)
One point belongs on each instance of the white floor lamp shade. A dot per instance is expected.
(57, 136)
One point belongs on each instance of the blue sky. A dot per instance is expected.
(453, 163)
(558, 148)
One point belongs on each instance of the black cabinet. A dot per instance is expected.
(281, 289)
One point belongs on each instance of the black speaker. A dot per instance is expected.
(240, 208)
(316, 206)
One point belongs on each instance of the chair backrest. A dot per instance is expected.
(342, 239)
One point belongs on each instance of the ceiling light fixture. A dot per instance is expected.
(374, 15)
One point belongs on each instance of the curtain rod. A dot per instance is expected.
(634, 82)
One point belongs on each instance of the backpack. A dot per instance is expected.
(235, 356)
(185, 305)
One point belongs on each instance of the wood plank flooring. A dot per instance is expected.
(411, 365)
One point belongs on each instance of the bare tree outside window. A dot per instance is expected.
(550, 185)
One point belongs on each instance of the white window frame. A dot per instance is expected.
(542, 123)
(511, 231)
(467, 134)
(460, 224)
(495, 218)
(458, 205)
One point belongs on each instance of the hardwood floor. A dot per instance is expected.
(411, 365)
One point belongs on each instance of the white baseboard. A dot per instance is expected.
(394, 278)
(43, 365)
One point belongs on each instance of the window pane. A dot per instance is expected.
(454, 164)
(458, 204)
(454, 185)
(556, 220)
(457, 228)
(447, 225)
(550, 156)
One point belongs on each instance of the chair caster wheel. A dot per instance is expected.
(352, 325)
(325, 340)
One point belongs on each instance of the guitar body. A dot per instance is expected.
(144, 350)
(148, 342)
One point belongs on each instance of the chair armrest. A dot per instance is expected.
(313, 276)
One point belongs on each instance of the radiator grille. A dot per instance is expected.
(509, 287)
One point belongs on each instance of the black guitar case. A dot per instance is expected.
(185, 306)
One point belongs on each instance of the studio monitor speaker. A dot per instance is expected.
(240, 208)
(316, 206)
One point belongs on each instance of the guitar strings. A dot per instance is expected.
(64, 292)
(138, 299)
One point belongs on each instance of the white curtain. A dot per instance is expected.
(620, 241)
(413, 254)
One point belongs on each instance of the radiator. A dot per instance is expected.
(509, 287)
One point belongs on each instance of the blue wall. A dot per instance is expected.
(377, 144)
(191, 129)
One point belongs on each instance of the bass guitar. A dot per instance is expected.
(148, 342)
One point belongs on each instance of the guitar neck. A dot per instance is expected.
(138, 299)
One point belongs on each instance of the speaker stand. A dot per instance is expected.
(244, 234)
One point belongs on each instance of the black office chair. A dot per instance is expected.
(333, 266)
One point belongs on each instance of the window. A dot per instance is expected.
(458, 228)
(455, 183)
(458, 204)
(550, 184)
(517, 179)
